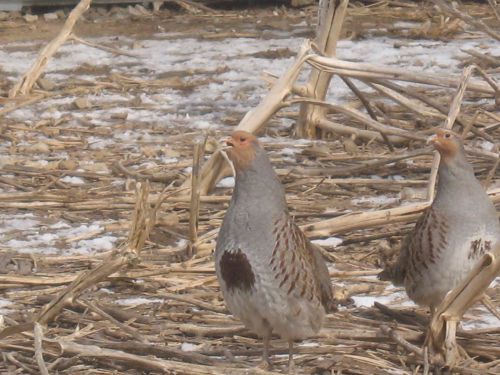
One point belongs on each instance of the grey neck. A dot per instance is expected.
(258, 188)
(456, 178)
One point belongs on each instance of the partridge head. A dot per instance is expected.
(241, 149)
(449, 145)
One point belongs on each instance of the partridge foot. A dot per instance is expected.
(291, 362)
(264, 365)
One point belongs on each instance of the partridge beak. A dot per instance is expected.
(227, 143)
(432, 140)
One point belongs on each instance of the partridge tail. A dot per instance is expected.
(323, 278)
(393, 273)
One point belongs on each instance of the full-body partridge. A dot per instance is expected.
(451, 235)
(272, 278)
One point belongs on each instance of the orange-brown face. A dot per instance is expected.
(241, 148)
(446, 142)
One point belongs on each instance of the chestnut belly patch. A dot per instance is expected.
(236, 270)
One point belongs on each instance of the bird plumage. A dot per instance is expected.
(271, 276)
(451, 235)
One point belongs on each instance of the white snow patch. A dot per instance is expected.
(18, 222)
(96, 143)
(495, 282)
(182, 242)
(328, 242)
(166, 160)
(290, 151)
(365, 301)
(148, 164)
(202, 124)
(486, 145)
(106, 290)
(137, 301)
(188, 347)
(33, 243)
(394, 371)
(39, 163)
(309, 344)
(398, 299)
(45, 239)
(126, 136)
(106, 97)
(73, 180)
(482, 319)
(378, 200)
(96, 244)
(406, 24)
(227, 182)
(60, 225)
(4, 303)
(80, 230)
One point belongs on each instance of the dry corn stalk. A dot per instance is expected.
(24, 86)
(330, 20)
(448, 314)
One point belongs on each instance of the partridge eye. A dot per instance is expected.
(243, 139)
(447, 135)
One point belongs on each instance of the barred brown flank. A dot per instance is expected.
(293, 252)
(474, 248)
(478, 247)
(237, 271)
(303, 290)
(284, 279)
(292, 284)
(487, 246)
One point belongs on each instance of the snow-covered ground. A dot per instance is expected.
(237, 86)
(30, 233)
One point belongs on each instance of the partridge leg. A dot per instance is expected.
(428, 339)
(291, 363)
(426, 360)
(432, 310)
(265, 364)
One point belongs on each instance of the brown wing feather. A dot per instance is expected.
(322, 278)
(419, 248)
(298, 266)
(397, 271)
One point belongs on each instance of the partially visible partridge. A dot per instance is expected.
(451, 235)
(271, 276)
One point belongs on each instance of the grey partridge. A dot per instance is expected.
(271, 277)
(451, 235)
